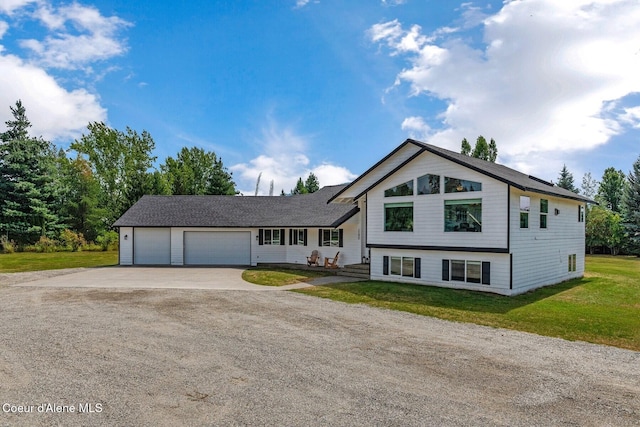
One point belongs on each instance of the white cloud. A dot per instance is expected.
(82, 35)
(631, 116)
(417, 127)
(76, 37)
(540, 82)
(9, 6)
(55, 113)
(284, 160)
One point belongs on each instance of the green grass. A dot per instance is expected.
(279, 277)
(30, 261)
(603, 307)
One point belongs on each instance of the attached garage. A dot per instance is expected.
(152, 246)
(217, 248)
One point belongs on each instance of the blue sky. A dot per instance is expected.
(289, 87)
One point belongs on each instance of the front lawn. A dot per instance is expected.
(33, 261)
(603, 307)
(279, 276)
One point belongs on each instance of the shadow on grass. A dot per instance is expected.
(471, 301)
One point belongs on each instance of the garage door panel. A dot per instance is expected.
(152, 246)
(217, 248)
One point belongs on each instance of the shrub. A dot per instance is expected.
(92, 247)
(108, 240)
(72, 240)
(8, 246)
(45, 244)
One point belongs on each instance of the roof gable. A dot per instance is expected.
(496, 171)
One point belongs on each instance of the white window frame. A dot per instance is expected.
(300, 233)
(270, 240)
(334, 237)
(403, 263)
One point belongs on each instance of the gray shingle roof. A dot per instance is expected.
(502, 173)
(307, 210)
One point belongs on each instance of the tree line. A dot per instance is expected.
(73, 196)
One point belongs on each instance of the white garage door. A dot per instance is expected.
(152, 246)
(217, 248)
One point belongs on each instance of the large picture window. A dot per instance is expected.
(398, 216)
(429, 184)
(463, 215)
(405, 189)
(455, 185)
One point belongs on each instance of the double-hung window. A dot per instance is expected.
(544, 210)
(525, 207)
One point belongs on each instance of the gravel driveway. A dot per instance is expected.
(196, 357)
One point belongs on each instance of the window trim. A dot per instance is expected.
(524, 211)
(448, 272)
(272, 239)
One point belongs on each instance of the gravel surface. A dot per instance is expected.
(191, 357)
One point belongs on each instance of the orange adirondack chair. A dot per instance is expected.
(331, 262)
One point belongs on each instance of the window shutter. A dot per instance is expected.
(305, 237)
(319, 236)
(261, 237)
(417, 268)
(486, 273)
(385, 265)
(282, 240)
(340, 237)
(445, 269)
(291, 241)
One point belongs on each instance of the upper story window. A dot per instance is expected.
(398, 216)
(544, 210)
(455, 185)
(463, 215)
(525, 207)
(429, 184)
(581, 213)
(405, 189)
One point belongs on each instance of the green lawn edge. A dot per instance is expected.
(20, 262)
(266, 276)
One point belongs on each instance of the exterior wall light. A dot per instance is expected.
(126, 236)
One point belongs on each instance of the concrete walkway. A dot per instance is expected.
(166, 278)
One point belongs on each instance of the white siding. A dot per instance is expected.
(126, 246)
(428, 210)
(431, 269)
(390, 164)
(540, 256)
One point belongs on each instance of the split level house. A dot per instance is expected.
(422, 215)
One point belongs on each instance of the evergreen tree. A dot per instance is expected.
(565, 180)
(27, 168)
(481, 150)
(300, 188)
(312, 184)
(631, 210)
(466, 147)
(612, 189)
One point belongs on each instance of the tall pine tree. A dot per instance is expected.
(565, 180)
(27, 167)
(631, 210)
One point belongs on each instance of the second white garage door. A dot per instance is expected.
(217, 248)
